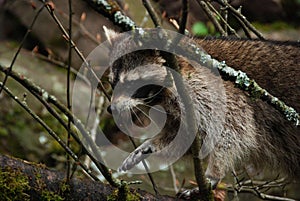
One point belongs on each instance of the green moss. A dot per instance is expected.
(64, 187)
(51, 196)
(133, 196)
(123, 193)
(113, 196)
(13, 185)
(47, 195)
(3, 132)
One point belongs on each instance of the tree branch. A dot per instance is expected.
(184, 16)
(241, 17)
(44, 97)
(68, 85)
(48, 129)
(79, 53)
(152, 13)
(22, 43)
(113, 12)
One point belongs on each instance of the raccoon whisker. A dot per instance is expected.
(147, 116)
(162, 111)
(138, 118)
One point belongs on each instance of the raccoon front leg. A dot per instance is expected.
(216, 169)
(214, 173)
(139, 154)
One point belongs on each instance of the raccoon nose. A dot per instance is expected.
(109, 109)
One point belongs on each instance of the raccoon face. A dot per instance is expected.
(136, 85)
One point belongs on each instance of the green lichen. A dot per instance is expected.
(13, 185)
(244, 82)
(120, 18)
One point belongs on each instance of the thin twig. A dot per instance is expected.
(279, 182)
(44, 97)
(68, 85)
(49, 130)
(145, 19)
(96, 122)
(224, 14)
(21, 44)
(255, 187)
(154, 186)
(184, 15)
(61, 64)
(83, 30)
(113, 12)
(152, 13)
(212, 18)
(174, 179)
(65, 125)
(79, 53)
(224, 21)
(244, 27)
(237, 14)
(261, 195)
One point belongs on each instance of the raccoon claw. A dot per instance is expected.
(213, 182)
(193, 193)
(188, 194)
(137, 156)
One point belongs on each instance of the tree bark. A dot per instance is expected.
(41, 180)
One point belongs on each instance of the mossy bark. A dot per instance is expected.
(40, 183)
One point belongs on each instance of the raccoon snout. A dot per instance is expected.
(108, 109)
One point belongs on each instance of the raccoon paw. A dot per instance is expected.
(188, 194)
(137, 156)
(194, 193)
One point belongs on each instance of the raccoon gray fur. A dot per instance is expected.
(253, 132)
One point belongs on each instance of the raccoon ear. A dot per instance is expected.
(110, 34)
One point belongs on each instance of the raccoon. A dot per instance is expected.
(252, 131)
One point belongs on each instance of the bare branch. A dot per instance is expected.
(259, 194)
(173, 174)
(21, 44)
(68, 85)
(49, 130)
(44, 97)
(113, 12)
(184, 15)
(237, 14)
(152, 13)
(212, 18)
(79, 53)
